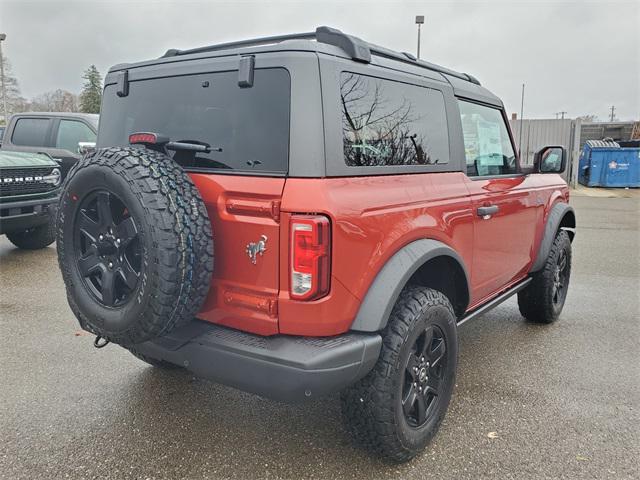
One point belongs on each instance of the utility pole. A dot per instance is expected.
(3, 36)
(419, 22)
(521, 126)
(560, 113)
(613, 112)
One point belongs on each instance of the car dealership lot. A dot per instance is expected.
(558, 401)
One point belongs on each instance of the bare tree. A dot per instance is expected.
(55, 101)
(588, 118)
(15, 101)
(377, 130)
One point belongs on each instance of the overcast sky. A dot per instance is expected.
(580, 57)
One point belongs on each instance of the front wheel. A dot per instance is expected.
(398, 407)
(543, 299)
(35, 238)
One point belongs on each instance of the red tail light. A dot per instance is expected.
(143, 138)
(310, 265)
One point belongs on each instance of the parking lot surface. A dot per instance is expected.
(531, 401)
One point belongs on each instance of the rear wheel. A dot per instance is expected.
(543, 299)
(398, 407)
(35, 238)
(134, 244)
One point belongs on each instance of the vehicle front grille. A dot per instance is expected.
(23, 181)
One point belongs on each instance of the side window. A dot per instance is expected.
(31, 132)
(487, 145)
(70, 132)
(391, 123)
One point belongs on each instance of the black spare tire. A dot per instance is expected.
(134, 244)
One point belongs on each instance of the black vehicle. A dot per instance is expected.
(63, 136)
(29, 191)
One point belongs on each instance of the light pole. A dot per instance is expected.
(419, 22)
(3, 37)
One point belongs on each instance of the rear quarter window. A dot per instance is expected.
(31, 132)
(250, 125)
(389, 123)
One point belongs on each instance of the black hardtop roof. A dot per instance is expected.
(322, 40)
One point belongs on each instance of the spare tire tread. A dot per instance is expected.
(182, 255)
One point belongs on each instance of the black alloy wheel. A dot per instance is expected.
(397, 408)
(107, 249)
(543, 299)
(560, 278)
(134, 243)
(423, 376)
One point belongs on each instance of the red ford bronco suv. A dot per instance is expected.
(306, 214)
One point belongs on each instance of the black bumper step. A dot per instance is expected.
(282, 367)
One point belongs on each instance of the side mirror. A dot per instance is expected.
(86, 147)
(550, 159)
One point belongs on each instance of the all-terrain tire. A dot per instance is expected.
(35, 238)
(543, 299)
(372, 409)
(161, 210)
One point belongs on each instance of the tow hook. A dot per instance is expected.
(100, 344)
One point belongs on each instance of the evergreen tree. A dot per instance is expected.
(91, 94)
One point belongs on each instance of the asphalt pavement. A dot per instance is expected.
(531, 401)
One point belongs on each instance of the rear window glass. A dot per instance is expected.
(388, 123)
(250, 125)
(31, 132)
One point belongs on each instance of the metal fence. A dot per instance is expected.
(566, 132)
(531, 135)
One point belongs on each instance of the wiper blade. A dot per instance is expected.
(200, 147)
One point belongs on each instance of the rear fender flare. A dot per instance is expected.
(554, 220)
(383, 293)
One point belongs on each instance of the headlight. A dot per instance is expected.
(54, 178)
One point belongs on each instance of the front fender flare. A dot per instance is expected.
(554, 219)
(392, 278)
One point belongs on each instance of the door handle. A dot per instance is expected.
(486, 212)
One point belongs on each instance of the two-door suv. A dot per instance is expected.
(361, 205)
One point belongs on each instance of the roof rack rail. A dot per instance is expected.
(353, 46)
(356, 48)
(409, 58)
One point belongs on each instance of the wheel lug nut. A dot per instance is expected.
(415, 384)
(110, 264)
(101, 237)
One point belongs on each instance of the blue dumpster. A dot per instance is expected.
(604, 163)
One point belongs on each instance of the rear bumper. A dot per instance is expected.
(16, 216)
(282, 367)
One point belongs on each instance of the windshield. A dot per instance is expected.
(246, 128)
